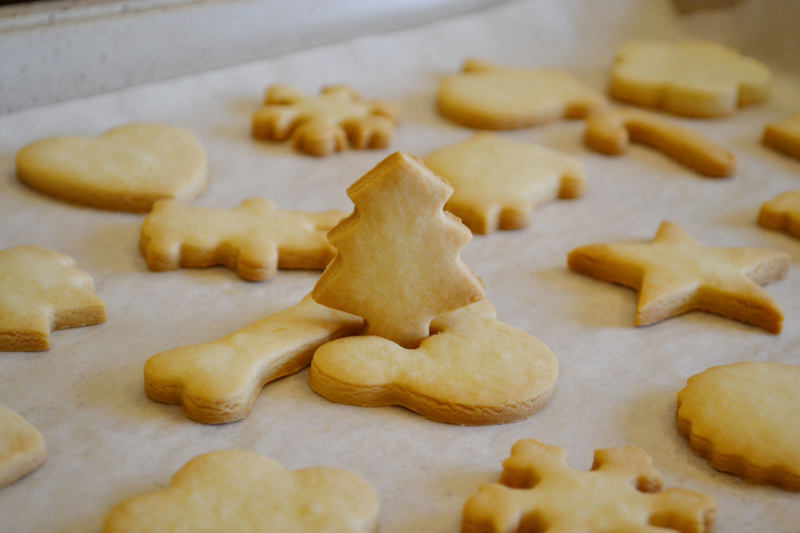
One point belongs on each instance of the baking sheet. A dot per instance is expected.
(618, 383)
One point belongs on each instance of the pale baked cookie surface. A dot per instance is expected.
(609, 131)
(40, 291)
(324, 124)
(398, 262)
(488, 96)
(473, 370)
(255, 238)
(743, 418)
(22, 448)
(127, 168)
(497, 182)
(784, 135)
(675, 274)
(218, 381)
(782, 213)
(245, 492)
(694, 78)
(539, 491)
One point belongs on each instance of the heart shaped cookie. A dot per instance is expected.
(127, 168)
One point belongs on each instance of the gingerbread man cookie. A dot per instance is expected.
(782, 213)
(127, 168)
(675, 274)
(609, 131)
(497, 181)
(22, 448)
(398, 226)
(473, 370)
(324, 124)
(255, 238)
(694, 78)
(538, 491)
(218, 381)
(40, 291)
(743, 418)
(245, 492)
(494, 97)
(784, 135)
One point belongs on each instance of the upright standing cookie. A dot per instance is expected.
(494, 97)
(127, 168)
(497, 182)
(782, 213)
(474, 370)
(40, 291)
(694, 78)
(609, 131)
(538, 491)
(675, 274)
(218, 381)
(743, 418)
(397, 263)
(324, 124)
(255, 238)
(22, 448)
(784, 135)
(244, 492)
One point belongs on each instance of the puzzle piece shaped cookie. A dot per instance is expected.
(538, 491)
(22, 448)
(40, 291)
(609, 131)
(127, 168)
(474, 370)
(397, 263)
(694, 78)
(245, 492)
(255, 238)
(784, 135)
(675, 274)
(497, 182)
(324, 124)
(742, 417)
(782, 213)
(494, 97)
(218, 381)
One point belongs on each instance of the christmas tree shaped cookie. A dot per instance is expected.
(398, 267)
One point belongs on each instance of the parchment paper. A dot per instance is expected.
(618, 383)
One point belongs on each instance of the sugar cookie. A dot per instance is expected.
(494, 97)
(40, 291)
(743, 418)
(218, 381)
(324, 124)
(397, 263)
(474, 370)
(675, 274)
(22, 448)
(782, 213)
(126, 168)
(694, 78)
(497, 181)
(784, 135)
(538, 491)
(609, 131)
(245, 492)
(255, 238)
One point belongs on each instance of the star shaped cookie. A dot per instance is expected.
(497, 182)
(782, 213)
(22, 448)
(784, 135)
(675, 274)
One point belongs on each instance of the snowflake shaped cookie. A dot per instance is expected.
(694, 78)
(40, 291)
(255, 238)
(324, 124)
(538, 491)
